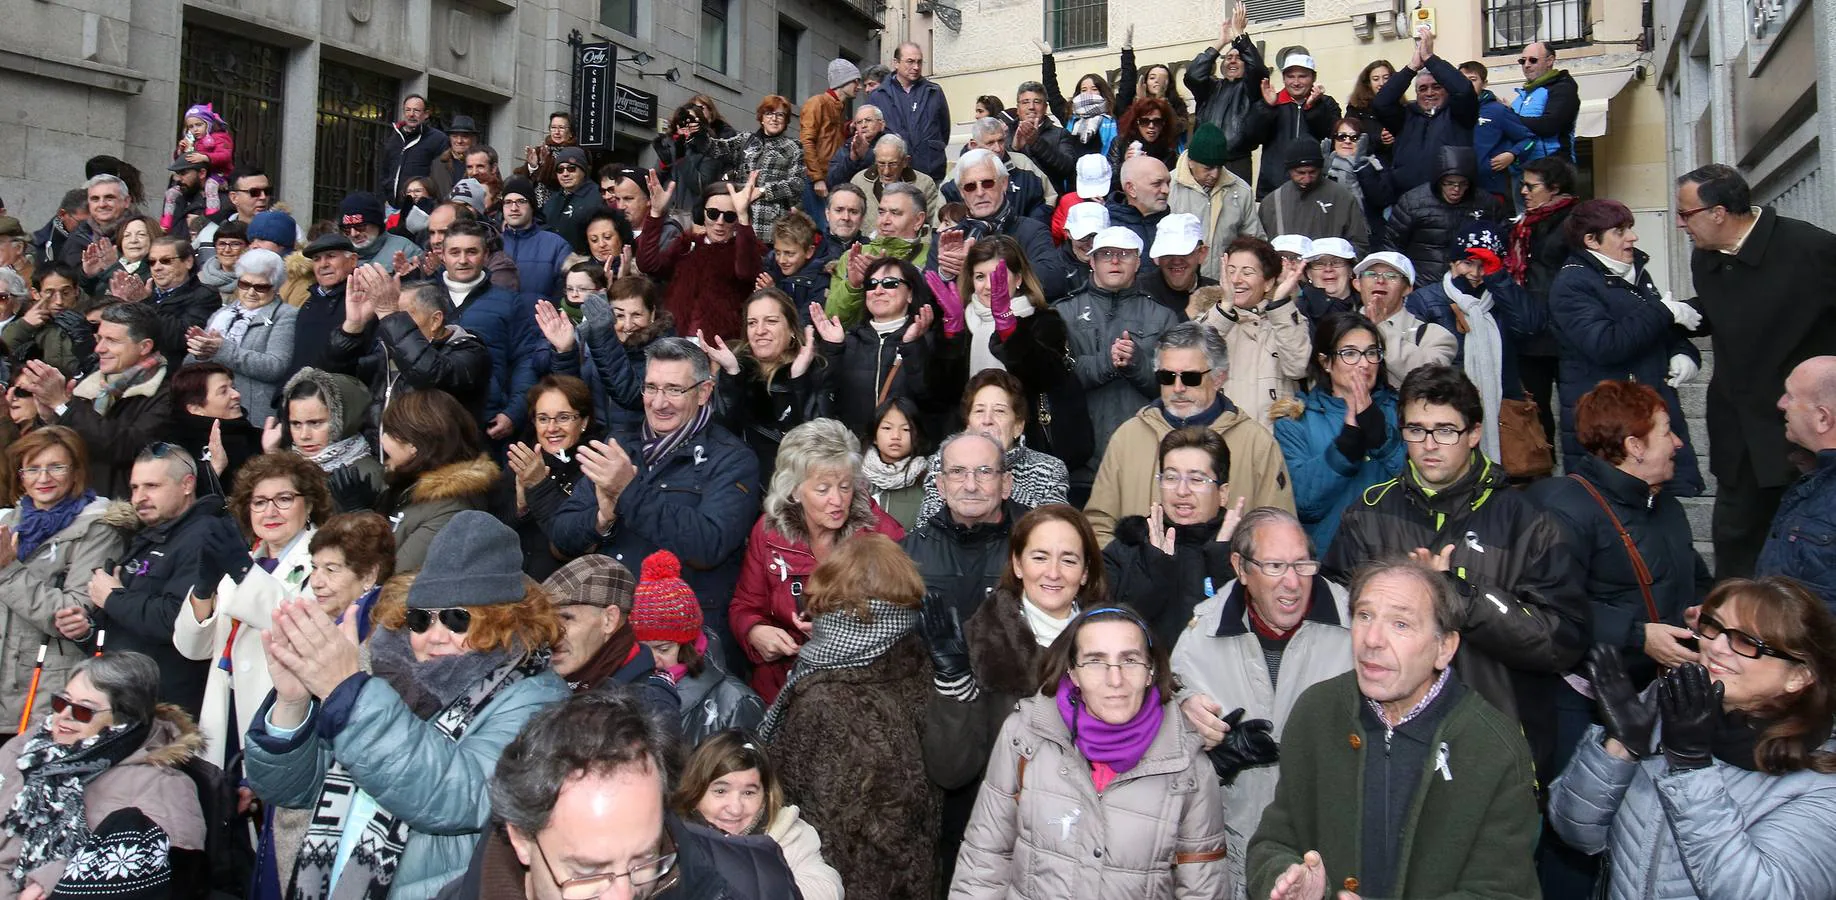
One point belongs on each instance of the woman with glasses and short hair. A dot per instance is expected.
(544, 471)
(1340, 435)
(771, 154)
(253, 337)
(1719, 780)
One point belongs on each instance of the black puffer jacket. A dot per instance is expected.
(961, 563)
(1423, 224)
(760, 413)
(158, 569)
(1284, 128)
(1526, 614)
(1165, 589)
(865, 363)
(392, 356)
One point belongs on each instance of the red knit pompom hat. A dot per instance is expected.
(665, 608)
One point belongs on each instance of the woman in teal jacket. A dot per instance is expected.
(396, 763)
(1340, 437)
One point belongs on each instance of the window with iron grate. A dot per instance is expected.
(1511, 24)
(241, 79)
(1073, 24)
(1271, 10)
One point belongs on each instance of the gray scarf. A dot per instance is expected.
(841, 640)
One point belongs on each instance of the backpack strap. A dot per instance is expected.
(1639, 568)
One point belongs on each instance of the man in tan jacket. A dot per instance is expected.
(1225, 204)
(824, 123)
(1190, 364)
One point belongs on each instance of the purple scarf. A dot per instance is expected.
(1119, 747)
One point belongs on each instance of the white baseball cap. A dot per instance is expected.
(1299, 60)
(1338, 247)
(1093, 176)
(1297, 244)
(1116, 237)
(1085, 219)
(1389, 258)
(1177, 235)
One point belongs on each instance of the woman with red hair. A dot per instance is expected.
(1147, 126)
(775, 156)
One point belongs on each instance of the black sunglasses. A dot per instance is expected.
(1708, 628)
(1189, 379)
(1345, 136)
(720, 215)
(888, 283)
(456, 620)
(78, 711)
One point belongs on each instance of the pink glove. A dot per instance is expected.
(172, 200)
(950, 301)
(1001, 299)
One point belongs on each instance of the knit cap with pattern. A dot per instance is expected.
(665, 609)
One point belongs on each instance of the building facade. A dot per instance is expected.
(309, 86)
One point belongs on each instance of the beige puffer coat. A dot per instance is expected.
(32, 590)
(1041, 831)
(1269, 347)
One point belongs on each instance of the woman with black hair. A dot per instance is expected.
(1156, 82)
(887, 355)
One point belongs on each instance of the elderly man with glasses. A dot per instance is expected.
(1548, 103)
(892, 164)
(1444, 114)
(983, 181)
(1385, 280)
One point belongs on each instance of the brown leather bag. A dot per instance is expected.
(1524, 447)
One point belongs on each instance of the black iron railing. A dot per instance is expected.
(355, 110)
(1509, 25)
(242, 80)
(1072, 24)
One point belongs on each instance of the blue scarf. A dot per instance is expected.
(36, 526)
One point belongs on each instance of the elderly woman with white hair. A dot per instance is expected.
(817, 499)
(252, 337)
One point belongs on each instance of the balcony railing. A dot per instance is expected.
(1511, 24)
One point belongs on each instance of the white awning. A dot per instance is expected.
(1597, 89)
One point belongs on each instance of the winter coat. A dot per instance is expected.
(1224, 212)
(1054, 151)
(1548, 253)
(1720, 831)
(1410, 343)
(232, 635)
(321, 315)
(1042, 830)
(1517, 316)
(700, 501)
(1499, 131)
(816, 880)
(805, 286)
(845, 301)
(150, 779)
(382, 252)
(406, 156)
(1513, 568)
(1219, 655)
(65, 342)
(1326, 480)
(259, 362)
(566, 214)
(921, 115)
(1420, 135)
(868, 365)
(439, 788)
(715, 701)
(822, 128)
(1802, 540)
(1165, 589)
(158, 572)
(960, 563)
(779, 560)
(1609, 328)
(505, 324)
(874, 804)
(1658, 526)
(1470, 834)
(55, 576)
(614, 369)
(1328, 210)
(180, 309)
(1057, 417)
(762, 412)
(1423, 225)
(393, 357)
(1269, 346)
(1764, 306)
(1125, 482)
(1226, 103)
(1284, 128)
(541, 256)
(420, 509)
(779, 164)
(1004, 657)
(708, 283)
(1035, 240)
(1097, 318)
(1548, 107)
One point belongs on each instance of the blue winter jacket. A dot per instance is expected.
(921, 116)
(439, 788)
(506, 325)
(1518, 319)
(539, 254)
(1499, 131)
(1802, 541)
(1325, 482)
(1608, 328)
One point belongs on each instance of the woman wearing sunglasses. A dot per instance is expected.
(399, 759)
(1719, 780)
(710, 269)
(1147, 128)
(1340, 435)
(99, 774)
(1097, 779)
(889, 353)
(58, 532)
(252, 337)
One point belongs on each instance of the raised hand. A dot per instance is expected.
(399, 262)
(48, 387)
(606, 464)
(659, 193)
(1025, 132)
(526, 464)
(1691, 710)
(719, 353)
(763, 281)
(128, 287)
(921, 323)
(742, 197)
(1629, 720)
(1292, 270)
(1239, 19)
(1160, 536)
(829, 327)
(1232, 516)
(321, 653)
(1128, 37)
(1313, 96)
(213, 449)
(942, 627)
(950, 300)
(1440, 562)
(554, 326)
(271, 433)
(806, 354)
(38, 314)
(1269, 94)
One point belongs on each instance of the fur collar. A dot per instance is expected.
(173, 739)
(786, 518)
(662, 325)
(1002, 651)
(466, 478)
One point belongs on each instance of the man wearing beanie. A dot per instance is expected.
(361, 218)
(1314, 206)
(1204, 185)
(273, 230)
(825, 123)
(598, 648)
(539, 253)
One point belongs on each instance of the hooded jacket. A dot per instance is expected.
(1096, 319)
(1423, 224)
(1526, 615)
(55, 576)
(1326, 480)
(420, 509)
(1420, 135)
(354, 487)
(1225, 211)
(1125, 484)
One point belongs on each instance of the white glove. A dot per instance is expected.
(1682, 370)
(1684, 314)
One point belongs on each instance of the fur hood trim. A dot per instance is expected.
(173, 739)
(1002, 651)
(117, 513)
(786, 516)
(453, 481)
(1286, 408)
(662, 325)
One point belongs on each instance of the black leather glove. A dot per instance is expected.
(1629, 719)
(1691, 705)
(943, 634)
(1245, 745)
(225, 553)
(350, 492)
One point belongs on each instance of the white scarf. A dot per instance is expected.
(459, 290)
(1484, 355)
(893, 327)
(980, 320)
(1624, 270)
(1045, 628)
(233, 321)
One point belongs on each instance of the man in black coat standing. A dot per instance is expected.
(1762, 286)
(1445, 112)
(409, 149)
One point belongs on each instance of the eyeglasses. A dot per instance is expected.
(1166, 377)
(986, 184)
(1349, 355)
(546, 420)
(720, 215)
(163, 260)
(253, 287)
(962, 473)
(1195, 482)
(516, 200)
(455, 619)
(1114, 254)
(56, 470)
(1709, 628)
(607, 190)
(589, 887)
(81, 712)
(1275, 568)
(282, 502)
(253, 192)
(775, 114)
(1446, 434)
(887, 283)
(671, 391)
(1131, 668)
(1382, 277)
(230, 245)
(1684, 214)
(1345, 136)
(1530, 186)
(161, 450)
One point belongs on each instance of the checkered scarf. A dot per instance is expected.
(842, 640)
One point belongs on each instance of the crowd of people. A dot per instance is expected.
(1154, 497)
